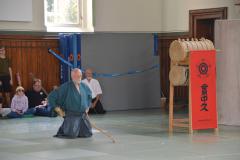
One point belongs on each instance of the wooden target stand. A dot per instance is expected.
(179, 122)
(186, 48)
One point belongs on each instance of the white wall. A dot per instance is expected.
(128, 15)
(152, 15)
(37, 23)
(132, 15)
(7, 8)
(109, 15)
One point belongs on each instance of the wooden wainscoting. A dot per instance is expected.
(29, 54)
(164, 41)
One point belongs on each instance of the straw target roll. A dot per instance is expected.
(179, 75)
(179, 49)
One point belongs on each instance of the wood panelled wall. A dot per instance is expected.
(164, 41)
(29, 54)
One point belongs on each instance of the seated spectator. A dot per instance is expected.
(37, 99)
(36, 95)
(19, 105)
(95, 87)
(3, 111)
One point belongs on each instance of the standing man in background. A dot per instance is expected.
(6, 80)
(96, 92)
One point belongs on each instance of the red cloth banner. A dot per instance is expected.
(203, 89)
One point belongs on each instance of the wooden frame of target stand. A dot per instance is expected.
(181, 122)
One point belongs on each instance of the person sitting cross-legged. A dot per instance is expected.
(19, 105)
(37, 99)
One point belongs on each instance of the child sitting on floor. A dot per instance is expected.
(19, 105)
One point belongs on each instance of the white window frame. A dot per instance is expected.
(84, 18)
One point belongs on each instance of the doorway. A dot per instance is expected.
(201, 21)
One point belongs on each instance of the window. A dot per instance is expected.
(60, 12)
(68, 15)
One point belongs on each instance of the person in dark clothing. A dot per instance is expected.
(37, 98)
(74, 98)
(5, 75)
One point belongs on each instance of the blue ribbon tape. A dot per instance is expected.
(112, 75)
(107, 75)
(60, 58)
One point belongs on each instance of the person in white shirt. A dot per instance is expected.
(96, 92)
